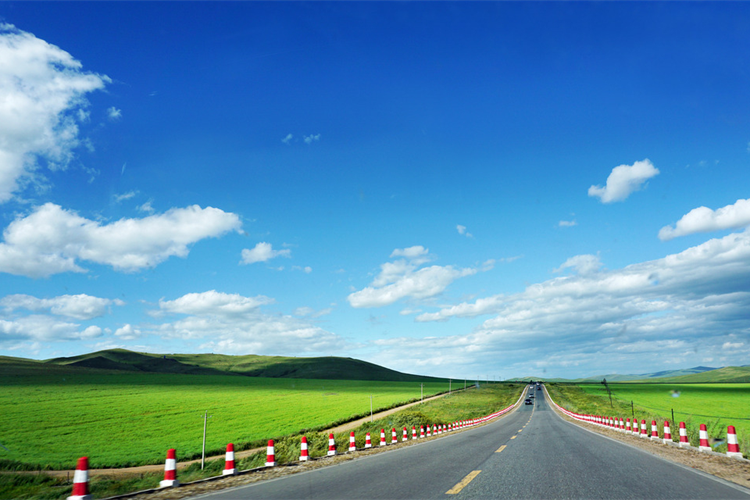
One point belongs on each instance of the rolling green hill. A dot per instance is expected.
(333, 368)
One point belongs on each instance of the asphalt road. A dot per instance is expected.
(532, 453)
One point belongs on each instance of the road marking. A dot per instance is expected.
(463, 483)
(501, 448)
(513, 437)
(520, 430)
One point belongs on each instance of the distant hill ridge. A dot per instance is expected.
(334, 368)
(698, 374)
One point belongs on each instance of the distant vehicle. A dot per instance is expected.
(529, 401)
(539, 388)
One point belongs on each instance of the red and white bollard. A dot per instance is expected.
(703, 445)
(394, 436)
(654, 431)
(352, 442)
(170, 470)
(434, 430)
(627, 425)
(429, 432)
(684, 443)
(622, 425)
(331, 445)
(229, 469)
(733, 448)
(270, 455)
(421, 431)
(405, 436)
(368, 442)
(635, 427)
(413, 432)
(303, 456)
(382, 437)
(667, 433)
(644, 433)
(81, 481)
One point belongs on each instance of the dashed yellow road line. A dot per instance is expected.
(520, 430)
(513, 437)
(501, 448)
(463, 483)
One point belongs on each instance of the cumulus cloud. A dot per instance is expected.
(677, 309)
(52, 240)
(119, 198)
(624, 180)
(213, 302)
(567, 223)
(402, 279)
(262, 252)
(146, 207)
(462, 230)
(43, 89)
(44, 328)
(232, 323)
(582, 264)
(114, 114)
(287, 139)
(309, 139)
(79, 306)
(127, 332)
(703, 219)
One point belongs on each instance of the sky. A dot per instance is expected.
(465, 190)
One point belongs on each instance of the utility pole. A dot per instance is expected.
(206, 416)
(450, 385)
(370, 407)
(421, 392)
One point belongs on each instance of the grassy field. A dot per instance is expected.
(122, 419)
(716, 405)
(463, 405)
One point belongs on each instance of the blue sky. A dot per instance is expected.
(453, 189)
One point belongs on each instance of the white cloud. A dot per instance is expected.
(51, 240)
(567, 223)
(703, 219)
(44, 328)
(146, 207)
(80, 306)
(624, 180)
(402, 279)
(213, 302)
(582, 264)
(462, 230)
(287, 139)
(677, 310)
(232, 323)
(119, 198)
(309, 139)
(43, 91)
(114, 114)
(262, 252)
(127, 332)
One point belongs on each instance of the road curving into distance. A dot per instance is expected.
(532, 453)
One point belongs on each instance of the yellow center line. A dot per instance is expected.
(463, 483)
(513, 437)
(520, 430)
(501, 448)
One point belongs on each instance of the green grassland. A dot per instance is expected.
(716, 405)
(463, 405)
(118, 418)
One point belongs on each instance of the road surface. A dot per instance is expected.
(532, 453)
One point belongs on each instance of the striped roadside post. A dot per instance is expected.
(170, 470)
(81, 481)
